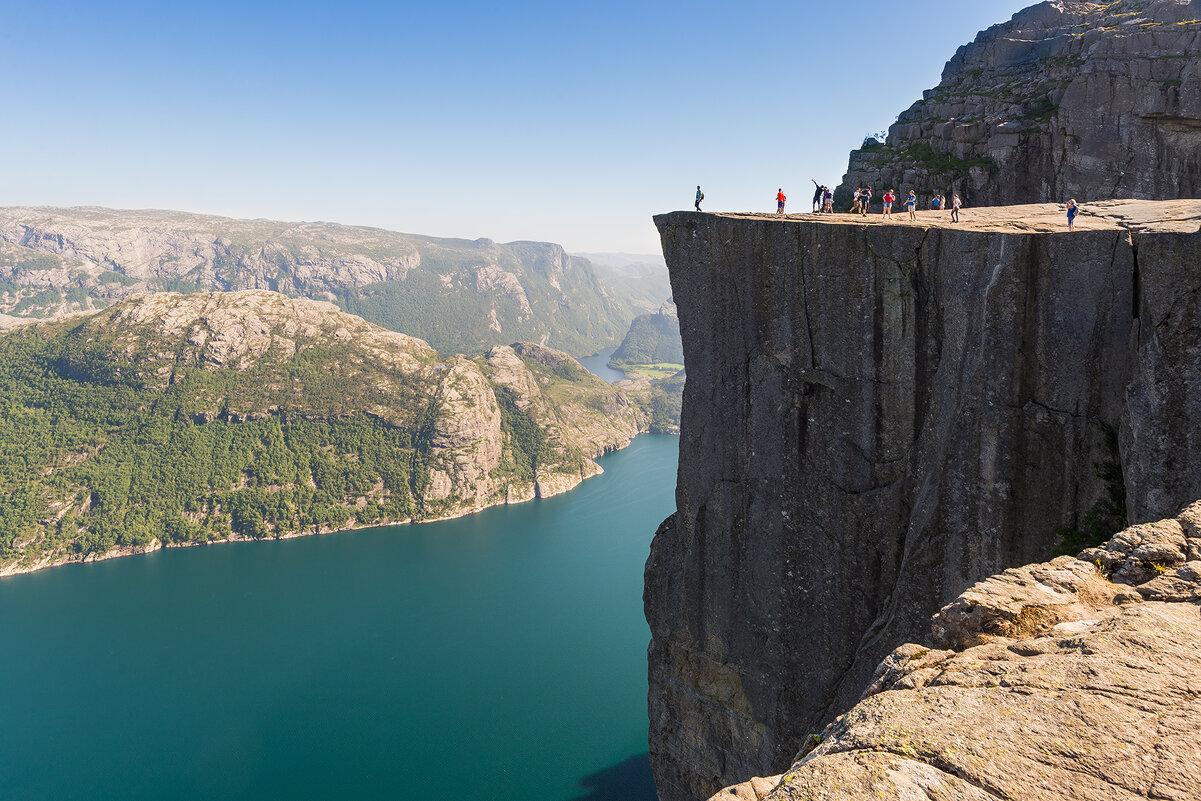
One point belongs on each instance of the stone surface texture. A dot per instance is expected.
(1046, 681)
(1068, 99)
(880, 414)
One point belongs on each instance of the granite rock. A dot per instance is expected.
(879, 415)
(1067, 99)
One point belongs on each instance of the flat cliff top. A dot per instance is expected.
(1152, 216)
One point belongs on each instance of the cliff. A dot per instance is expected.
(879, 414)
(183, 419)
(459, 295)
(1068, 99)
(1073, 679)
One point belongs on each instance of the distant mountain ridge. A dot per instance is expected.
(642, 276)
(459, 295)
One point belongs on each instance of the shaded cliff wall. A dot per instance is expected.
(877, 417)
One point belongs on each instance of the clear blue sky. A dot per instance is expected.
(566, 122)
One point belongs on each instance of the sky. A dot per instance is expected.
(570, 122)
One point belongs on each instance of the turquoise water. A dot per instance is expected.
(598, 365)
(500, 656)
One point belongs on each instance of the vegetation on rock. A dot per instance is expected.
(183, 419)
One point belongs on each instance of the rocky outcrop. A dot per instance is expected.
(878, 415)
(1068, 99)
(174, 419)
(1074, 679)
(459, 295)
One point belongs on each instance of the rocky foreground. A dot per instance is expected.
(1075, 679)
(1068, 99)
(173, 419)
(879, 414)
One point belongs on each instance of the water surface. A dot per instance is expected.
(598, 365)
(500, 656)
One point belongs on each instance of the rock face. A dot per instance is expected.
(459, 295)
(1073, 679)
(1068, 99)
(173, 419)
(878, 415)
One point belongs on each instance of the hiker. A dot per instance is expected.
(911, 203)
(955, 204)
(865, 197)
(935, 202)
(855, 202)
(889, 197)
(1073, 210)
(699, 197)
(818, 193)
(828, 201)
(780, 201)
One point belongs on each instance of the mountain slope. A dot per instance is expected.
(459, 295)
(188, 418)
(1068, 99)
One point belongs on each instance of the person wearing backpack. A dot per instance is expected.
(699, 197)
(780, 200)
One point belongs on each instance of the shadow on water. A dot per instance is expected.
(628, 781)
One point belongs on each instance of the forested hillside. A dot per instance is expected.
(459, 295)
(189, 418)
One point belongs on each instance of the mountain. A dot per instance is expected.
(641, 277)
(178, 419)
(1068, 99)
(461, 296)
(653, 339)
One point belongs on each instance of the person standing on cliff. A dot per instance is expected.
(889, 198)
(865, 200)
(1073, 210)
(818, 191)
(780, 200)
(828, 201)
(699, 197)
(956, 203)
(911, 203)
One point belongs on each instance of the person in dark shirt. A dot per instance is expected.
(1073, 210)
(699, 197)
(817, 195)
(865, 199)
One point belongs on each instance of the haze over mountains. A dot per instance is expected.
(459, 295)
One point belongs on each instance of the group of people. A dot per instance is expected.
(823, 203)
(862, 199)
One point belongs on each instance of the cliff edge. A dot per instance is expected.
(880, 414)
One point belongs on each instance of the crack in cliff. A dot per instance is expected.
(805, 305)
(933, 761)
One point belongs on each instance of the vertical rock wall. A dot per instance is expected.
(876, 417)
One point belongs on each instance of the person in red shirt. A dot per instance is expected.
(889, 198)
(780, 201)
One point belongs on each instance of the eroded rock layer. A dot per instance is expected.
(1073, 679)
(1068, 99)
(879, 415)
